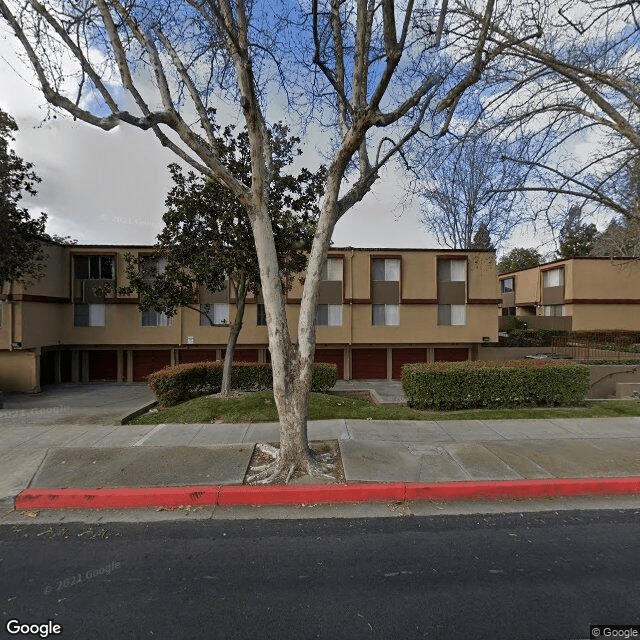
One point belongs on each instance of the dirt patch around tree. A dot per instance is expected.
(260, 458)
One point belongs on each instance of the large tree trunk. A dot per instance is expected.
(234, 332)
(293, 364)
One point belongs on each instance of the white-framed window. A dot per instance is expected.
(454, 315)
(217, 311)
(385, 269)
(553, 277)
(554, 310)
(385, 315)
(329, 315)
(332, 271)
(89, 315)
(452, 270)
(152, 267)
(153, 318)
(507, 285)
(93, 267)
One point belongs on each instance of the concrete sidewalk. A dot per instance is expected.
(528, 453)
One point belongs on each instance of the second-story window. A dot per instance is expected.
(93, 267)
(507, 285)
(216, 312)
(553, 278)
(329, 310)
(385, 270)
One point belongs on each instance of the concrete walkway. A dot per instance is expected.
(48, 456)
(70, 437)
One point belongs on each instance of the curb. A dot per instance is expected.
(138, 412)
(251, 495)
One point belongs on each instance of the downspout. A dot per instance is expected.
(351, 254)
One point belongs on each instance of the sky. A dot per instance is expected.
(109, 187)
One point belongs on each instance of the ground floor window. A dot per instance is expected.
(385, 314)
(329, 315)
(153, 318)
(452, 314)
(89, 315)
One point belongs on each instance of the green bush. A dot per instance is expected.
(182, 382)
(494, 384)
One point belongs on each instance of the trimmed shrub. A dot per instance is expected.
(181, 382)
(494, 384)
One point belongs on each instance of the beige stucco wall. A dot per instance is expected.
(599, 317)
(606, 279)
(18, 371)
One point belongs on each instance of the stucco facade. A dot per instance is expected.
(379, 309)
(579, 294)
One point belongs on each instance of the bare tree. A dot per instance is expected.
(577, 81)
(466, 186)
(379, 67)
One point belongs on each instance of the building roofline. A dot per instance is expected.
(552, 262)
(331, 248)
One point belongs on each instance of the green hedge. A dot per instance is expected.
(494, 384)
(181, 382)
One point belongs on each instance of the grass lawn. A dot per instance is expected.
(260, 407)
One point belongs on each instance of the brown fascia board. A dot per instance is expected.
(331, 249)
(565, 260)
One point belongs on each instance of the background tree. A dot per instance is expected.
(578, 81)
(576, 238)
(370, 74)
(482, 239)
(519, 258)
(207, 240)
(21, 249)
(621, 239)
(458, 185)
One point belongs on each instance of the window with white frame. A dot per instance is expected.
(329, 315)
(261, 315)
(385, 270)
(152, 267)
(554, 310)
(93, 267)
(553, 278)
(332, 270)
(452, 270)
(452, 315)
(507, 285)
(217, 312)
(387, 315)
(89, 315)
(153, 318)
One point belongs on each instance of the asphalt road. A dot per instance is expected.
(511, 576)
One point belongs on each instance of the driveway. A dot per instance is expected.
(75, 404)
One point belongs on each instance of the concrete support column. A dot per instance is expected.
(85, 366)
(175, 357)
(58, 367)
(75, 365)
(431, 354)
(120, 365)
(347, 363)
(389, 363)
(129, 365)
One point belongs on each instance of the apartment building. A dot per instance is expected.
(579, 294)
(378, 309)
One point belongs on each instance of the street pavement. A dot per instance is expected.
(70, 437)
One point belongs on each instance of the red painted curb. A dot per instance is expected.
(310, 494)
(126, 498)
(556, 487)
(141, 497)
